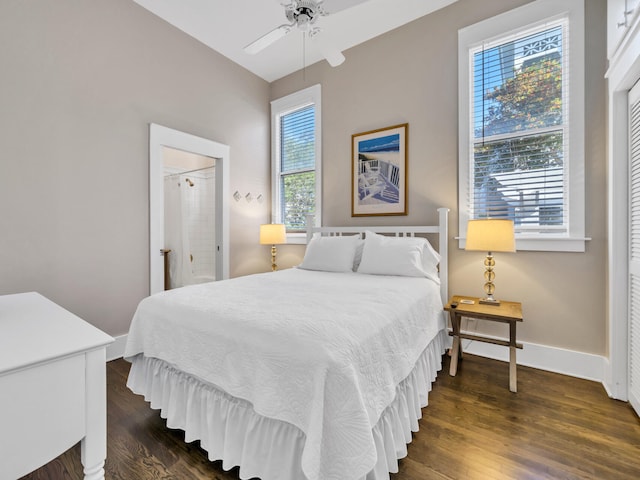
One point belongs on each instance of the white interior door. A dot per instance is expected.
(634, 248)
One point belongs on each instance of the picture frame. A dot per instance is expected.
(379, 171)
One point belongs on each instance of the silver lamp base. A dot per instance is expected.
(489, 301)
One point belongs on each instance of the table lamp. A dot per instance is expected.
(490, 235)
(272, 234)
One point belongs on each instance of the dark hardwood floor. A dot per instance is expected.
(555, 427)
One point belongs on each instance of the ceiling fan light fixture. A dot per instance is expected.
(313, 32)
(303, 22)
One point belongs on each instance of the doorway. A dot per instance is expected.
(189, 218)
(165, 143)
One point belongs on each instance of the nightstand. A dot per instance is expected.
(506, 312)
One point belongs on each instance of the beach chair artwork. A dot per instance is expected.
(379, 172)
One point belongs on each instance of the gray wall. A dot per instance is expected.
(410, 75)
(80, 82)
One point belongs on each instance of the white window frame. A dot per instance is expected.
(280, 107)
(511, 23)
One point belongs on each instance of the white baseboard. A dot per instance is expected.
(543, 357)
(116, 349)
(552, 359)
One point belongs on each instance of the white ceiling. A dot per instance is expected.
(227, 26)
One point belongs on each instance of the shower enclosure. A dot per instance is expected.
(189, 226)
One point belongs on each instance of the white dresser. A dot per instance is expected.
(52, 386)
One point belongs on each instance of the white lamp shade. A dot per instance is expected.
(490, 235)
(272, 234)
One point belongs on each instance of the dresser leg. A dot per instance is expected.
(93, 447)
(95, 472)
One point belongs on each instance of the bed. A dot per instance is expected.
(317, 372)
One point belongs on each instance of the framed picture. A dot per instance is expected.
(379, 172)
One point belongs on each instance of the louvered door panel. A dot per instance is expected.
(634, 342)
(634, 248)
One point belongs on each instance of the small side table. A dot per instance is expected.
(506, 312)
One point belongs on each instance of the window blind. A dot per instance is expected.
(297, 140)
(519, 122)
(297, 167)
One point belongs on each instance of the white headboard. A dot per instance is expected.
(441, 230)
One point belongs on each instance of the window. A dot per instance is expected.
(522, 123)
(295, 122)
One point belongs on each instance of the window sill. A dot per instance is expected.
(297, 238)
(536, 244)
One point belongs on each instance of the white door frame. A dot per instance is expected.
(160, 137)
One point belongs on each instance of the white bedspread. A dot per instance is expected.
(322, 351)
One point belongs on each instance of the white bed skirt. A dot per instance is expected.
(230, 430)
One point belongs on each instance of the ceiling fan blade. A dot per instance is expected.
(267, 39)
(332, 56)
(330, 53)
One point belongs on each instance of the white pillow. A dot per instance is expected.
(331, 254)
(430, 258)
(403, 256)
(358, 257)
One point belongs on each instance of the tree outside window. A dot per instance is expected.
(519, 138)
(297, 167)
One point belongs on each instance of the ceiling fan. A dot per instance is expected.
(303, 15)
